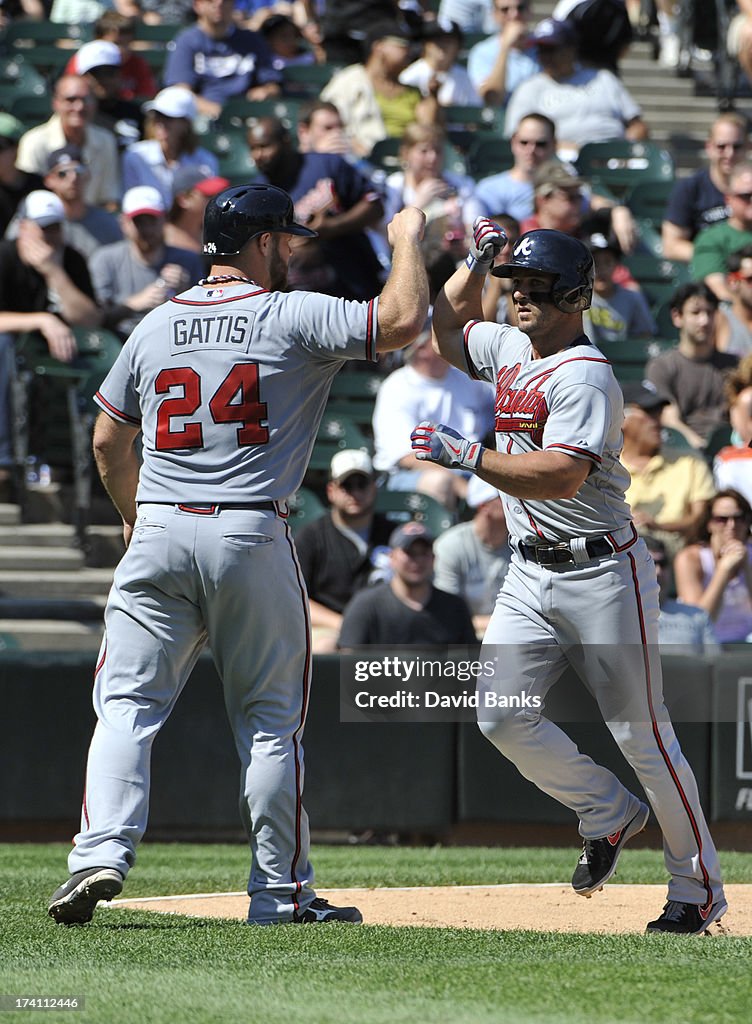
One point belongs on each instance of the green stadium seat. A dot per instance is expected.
(620, 164)
(307, 79)
(305, 507)
(163, 33)
(19, 77)
(31, 109)
(489, 154)
(647, 200)
(238, 111)
(629, 358)
(336, 433)
(675, 440)
(719, 438)
(231, 149)
(23, 34)
(402, 506)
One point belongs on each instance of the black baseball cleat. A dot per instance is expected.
(75, 900)
(687, 918)
(599, 856)
(320, 911)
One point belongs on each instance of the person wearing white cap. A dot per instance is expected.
(170, 145)
(134, 276)
(216, 60)
(71, 124)
(472, 558)
(100, 62)
(45, 287)
(338, 551)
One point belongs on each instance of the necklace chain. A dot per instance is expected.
(224, 278)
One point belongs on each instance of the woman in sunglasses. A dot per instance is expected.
(716, 573)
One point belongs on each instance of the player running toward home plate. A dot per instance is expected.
(226, 383)
(581, 587)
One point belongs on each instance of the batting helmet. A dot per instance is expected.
(552, 252)
(238, 214)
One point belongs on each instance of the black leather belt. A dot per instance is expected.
(208, 509)
(561, 554)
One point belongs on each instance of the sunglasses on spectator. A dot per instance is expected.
(355, 482)
(737, 517)
(510, 7)
(738, 276)
(736, 146)
(745, 196)
(538, 143)
(79, 170)
(75, 99)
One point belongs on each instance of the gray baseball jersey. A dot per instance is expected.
(570, 402)
(228, 385)
(229, 389)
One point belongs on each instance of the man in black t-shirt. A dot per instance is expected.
(337, 552)
(409, 610)
(45, 287)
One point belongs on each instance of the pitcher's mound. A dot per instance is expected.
(553, 907)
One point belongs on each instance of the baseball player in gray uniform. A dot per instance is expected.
(226, 384)
(581, 587)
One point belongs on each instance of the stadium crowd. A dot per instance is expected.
(142, 111)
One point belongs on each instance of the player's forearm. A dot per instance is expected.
(117, 464)
(543, 476)
(403, 304)
(458, 301)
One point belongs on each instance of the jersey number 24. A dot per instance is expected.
(236, 400)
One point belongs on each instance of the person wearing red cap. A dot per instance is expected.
(185, 218)
(134, 276)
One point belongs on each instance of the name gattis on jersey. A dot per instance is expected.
(202, 330)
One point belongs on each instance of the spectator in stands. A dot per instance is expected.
(409, 610)
(739, 38)
(563, 203)
(86, 227)
(732, 466)
(333, 199)
(533, 143)
(603, 30)
(585, 104)
(343, 24)
(699, 201)
(133, 276)
(426, 388)
(472, 558)
(372, 101)
(474, 16)
(670, 489)
(682, 628)
(446, 198)
(692, 375)
(170, 145)
(668, 33)
(285, 41)
(321, 129)
(733, 332)
(14, 183)
(167, 12)
(716, 573)
(437, 72)
(216, 60)
(71, 124)
(98, 62)
(497, 65)
(11, 10)
(45, 287)
(337, 550)
(616, 313)
(137, 81)
(84, 12)
(185, 218)
(713, 245)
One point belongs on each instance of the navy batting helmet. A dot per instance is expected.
(238, 214)
(552, 252)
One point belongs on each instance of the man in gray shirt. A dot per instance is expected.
(136, 275)
(472, 558)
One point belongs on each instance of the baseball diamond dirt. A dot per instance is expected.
(551, 907)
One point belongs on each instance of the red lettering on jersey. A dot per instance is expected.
(520, 410)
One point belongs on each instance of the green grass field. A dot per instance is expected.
(142, 967)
